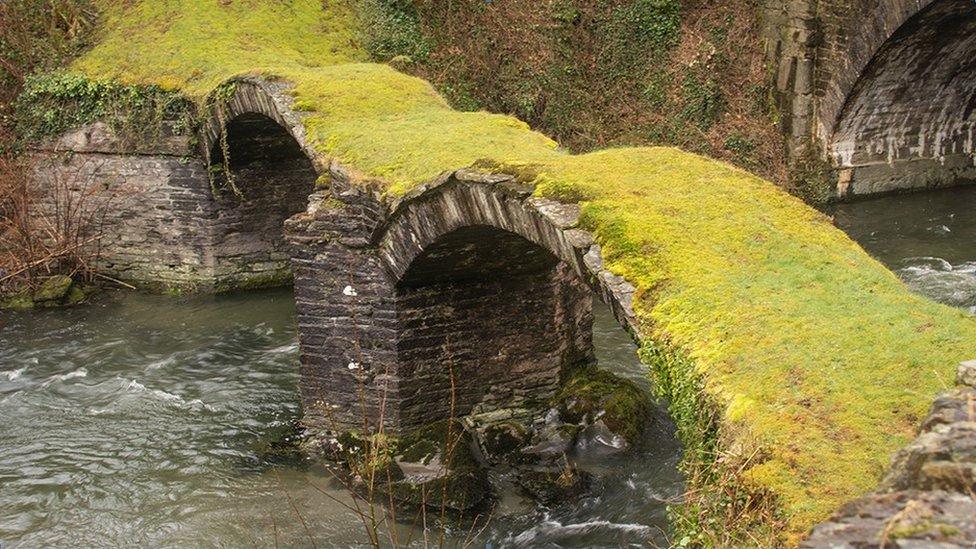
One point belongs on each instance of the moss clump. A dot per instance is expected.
(274, 279)
(21, 301)
(55, 102)
(810, 352)
(591, 393)
(53, 290)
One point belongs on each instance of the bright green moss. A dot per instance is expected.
(807, 348)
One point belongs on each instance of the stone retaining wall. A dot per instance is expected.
(153, 206)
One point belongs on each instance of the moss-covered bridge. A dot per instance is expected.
(424, 241)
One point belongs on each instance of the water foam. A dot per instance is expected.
(166, 397)
(15, 374)
(553, 530)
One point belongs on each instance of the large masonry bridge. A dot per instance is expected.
(884, 88)
(467, 280)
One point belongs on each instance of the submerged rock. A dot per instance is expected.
(551, 485)
(438, 467)
(598, 437)
(431, 467)
(552, 438)
(447, 463)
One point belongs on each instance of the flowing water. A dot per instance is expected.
(146, 421)
(928, 239)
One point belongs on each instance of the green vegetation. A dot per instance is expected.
(595, 74)
(37, 35)
(53, 103)
(801, 357)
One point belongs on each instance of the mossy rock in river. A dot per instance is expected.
(552, 485)
(53, 291)
(438, 467)
(21, 301)
(592, 394)
(431, 467)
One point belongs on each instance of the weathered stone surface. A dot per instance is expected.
(966, 375)
(943, 458)
(881, 86)
(465, 297)
(909, 519)
(928, 497)
(163, 226)
(957, 405)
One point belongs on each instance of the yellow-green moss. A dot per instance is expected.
(809, 349)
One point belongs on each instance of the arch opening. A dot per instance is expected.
(272, 178)
(910, 119)
(501, 315)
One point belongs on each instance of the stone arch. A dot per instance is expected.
(469, 275)
(852, 33)
(909, 117)
(262, 172)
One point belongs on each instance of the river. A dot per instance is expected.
(146, 421)
(928, 239)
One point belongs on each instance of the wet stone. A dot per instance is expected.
(551, 485)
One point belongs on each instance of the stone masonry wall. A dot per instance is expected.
(468, 273)
(820, 56)
(910, 120)
(166, 224)
(505, 337)
(153, 206)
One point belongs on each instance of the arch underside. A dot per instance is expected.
(487, 320)
(910, 120)
(263, 177)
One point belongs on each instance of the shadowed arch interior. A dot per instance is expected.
(910, 120)
(500, 314)
(273, 178)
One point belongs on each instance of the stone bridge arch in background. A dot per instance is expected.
(879, 87)
(469, 276)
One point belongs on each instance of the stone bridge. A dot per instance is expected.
(883, 88)
(467, 286)
(469, 292)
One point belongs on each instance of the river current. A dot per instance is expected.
(147, 421)
(151, 421)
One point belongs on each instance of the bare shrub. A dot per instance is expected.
(54, 227)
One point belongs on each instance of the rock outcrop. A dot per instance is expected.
(928, 497)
